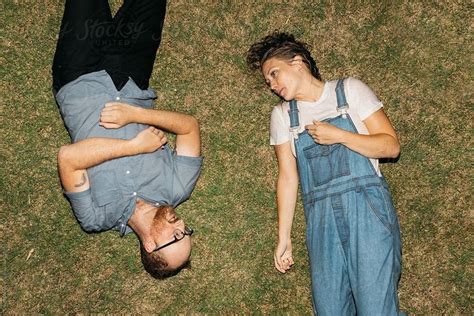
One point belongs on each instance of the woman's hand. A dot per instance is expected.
(283, 256)
(381, 142)
(115, 115)
(149, 140)
(325, 134)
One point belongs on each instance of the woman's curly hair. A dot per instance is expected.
(283, 46)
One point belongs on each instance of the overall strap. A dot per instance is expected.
(342, 105)
(294, 119)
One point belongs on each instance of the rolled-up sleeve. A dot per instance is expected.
(186, 173)
(84, 210)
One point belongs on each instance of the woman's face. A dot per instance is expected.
(284, 77)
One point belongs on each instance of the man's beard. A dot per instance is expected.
(163, 212)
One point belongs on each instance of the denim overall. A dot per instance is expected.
(352, 232)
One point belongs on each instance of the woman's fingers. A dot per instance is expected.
(289, 261)
(283, 264)
(312, 130)
(279, 265)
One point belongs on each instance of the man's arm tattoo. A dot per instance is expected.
(83, 181)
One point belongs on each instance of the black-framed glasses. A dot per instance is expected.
(178, 235)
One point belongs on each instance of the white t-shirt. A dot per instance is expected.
(362, 103)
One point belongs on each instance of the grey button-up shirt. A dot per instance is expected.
(161, 177)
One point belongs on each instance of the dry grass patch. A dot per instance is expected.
(416, 56)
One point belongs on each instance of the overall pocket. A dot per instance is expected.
(380, 203)
(327, 162)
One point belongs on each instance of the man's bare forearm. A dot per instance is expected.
(174, 122)
(93, 151)
(74, 159)
(186, 128)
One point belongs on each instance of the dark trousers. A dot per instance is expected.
(125, 45)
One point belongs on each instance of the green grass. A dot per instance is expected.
(417, 58)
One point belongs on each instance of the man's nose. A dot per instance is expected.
(180, 224)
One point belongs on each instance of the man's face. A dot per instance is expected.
(166, 225)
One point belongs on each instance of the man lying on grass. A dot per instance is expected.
(119, 172)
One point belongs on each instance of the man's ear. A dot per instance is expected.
(149, 245)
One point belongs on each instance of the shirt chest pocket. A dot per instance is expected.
(107, 199)
(108, 204)
(103, 182)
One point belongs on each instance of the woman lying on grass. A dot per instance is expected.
(331, 134)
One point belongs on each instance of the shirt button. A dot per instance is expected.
(117, 98)
(134, 193)
(127, 172)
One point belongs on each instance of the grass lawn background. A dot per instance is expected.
(416, 56)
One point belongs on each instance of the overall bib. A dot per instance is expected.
(352, 232)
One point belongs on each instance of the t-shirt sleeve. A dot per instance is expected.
(84, 210)
(365, 99)
(278, 131)
(186, 174)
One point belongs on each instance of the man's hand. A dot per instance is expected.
(324, 133)
(283, 256)
(186, 127)
(115, 115)
(149, 140)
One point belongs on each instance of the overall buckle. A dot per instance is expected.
(343, 111)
